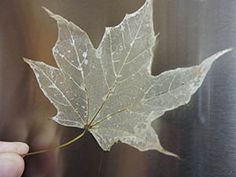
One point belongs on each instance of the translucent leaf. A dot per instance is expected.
(110, 90)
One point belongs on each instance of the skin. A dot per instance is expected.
(11, 162)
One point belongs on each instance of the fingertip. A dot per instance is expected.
(14, 147)
(22, 148)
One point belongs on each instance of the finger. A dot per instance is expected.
(13, 147)
(11, 165)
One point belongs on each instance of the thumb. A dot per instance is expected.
(11, 165)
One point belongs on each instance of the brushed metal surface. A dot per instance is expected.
(203, 132)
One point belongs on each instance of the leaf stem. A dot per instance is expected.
(57, 147)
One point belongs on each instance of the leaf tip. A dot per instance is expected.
(26, 60)
(229, 49)
(225, 51)
(163, 151)
(48, 11)
(206, 64)
(52, 15)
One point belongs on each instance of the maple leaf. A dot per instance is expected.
(109, 91)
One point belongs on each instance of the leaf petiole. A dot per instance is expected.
(57, 147)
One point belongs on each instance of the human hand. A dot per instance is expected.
(11, 162)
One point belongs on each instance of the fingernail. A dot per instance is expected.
(9, 166)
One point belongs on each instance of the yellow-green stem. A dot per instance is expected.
(57, 147)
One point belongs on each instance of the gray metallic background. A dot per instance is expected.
(203, 132)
